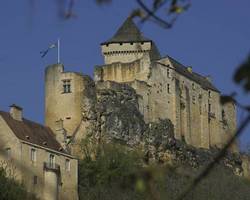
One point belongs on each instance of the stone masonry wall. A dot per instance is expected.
(164, 93)
(24, 169)
(61, 105)
(125, 52)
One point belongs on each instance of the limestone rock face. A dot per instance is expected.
(110, 111)
(89, 101)
(119, 115)
(161, 146)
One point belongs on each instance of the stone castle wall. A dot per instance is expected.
(165, 88)
(121, 72)
(164, 93)
(125, 52)
(60, 105)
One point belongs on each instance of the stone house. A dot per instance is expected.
(36, 157)
(166, 89)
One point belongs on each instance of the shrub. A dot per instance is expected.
(115, 172)
(12, 190)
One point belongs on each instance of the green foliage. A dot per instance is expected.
(11, 190)
(116, 172)
(107, 172)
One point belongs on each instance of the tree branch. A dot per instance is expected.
(151, 13)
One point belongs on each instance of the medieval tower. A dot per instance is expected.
(165, 88)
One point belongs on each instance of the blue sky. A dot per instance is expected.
(213, 37)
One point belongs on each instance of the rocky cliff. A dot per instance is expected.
(111, 113)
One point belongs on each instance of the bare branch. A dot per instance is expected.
(159, 20)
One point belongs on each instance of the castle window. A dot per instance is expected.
(209, 108)
(35, 180)
(66, 86)
(168, 73)
(67, 165)
(209, 94)
(33, 155)
(142, 43)
(121, 43)
(193, 98)
(131, 43)
(52, 160)
(223, 114)
(193, 86)
(168, 87)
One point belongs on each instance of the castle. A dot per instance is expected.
(162, 88)
(166, 89)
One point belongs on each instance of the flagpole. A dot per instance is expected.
(58, 50)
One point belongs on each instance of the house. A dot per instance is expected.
(35, 158)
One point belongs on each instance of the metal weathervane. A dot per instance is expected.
(52, 46)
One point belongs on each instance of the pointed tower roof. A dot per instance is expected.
(128, 32)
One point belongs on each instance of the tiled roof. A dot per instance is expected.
(128, 32)
(192, 75)
(32, 132)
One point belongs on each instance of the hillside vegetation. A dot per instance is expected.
(112, 171)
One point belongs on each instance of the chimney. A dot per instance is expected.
(189, 68)
(16, 112)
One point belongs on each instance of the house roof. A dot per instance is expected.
(32, 132)
(192, 75)
(128, 32)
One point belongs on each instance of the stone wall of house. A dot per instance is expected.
(25, 170)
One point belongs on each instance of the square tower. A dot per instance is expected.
(128, 44)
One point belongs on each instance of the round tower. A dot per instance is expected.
(63, 94)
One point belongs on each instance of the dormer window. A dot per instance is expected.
(66, 86)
